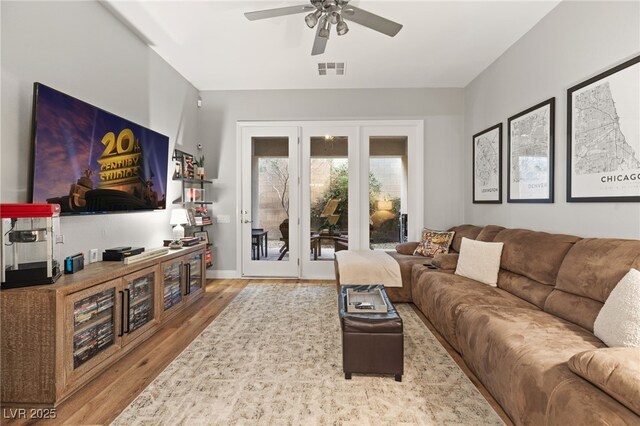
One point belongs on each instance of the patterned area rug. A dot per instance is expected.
(273, 356)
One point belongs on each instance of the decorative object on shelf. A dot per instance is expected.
(199, 163)
(192, 217)
(530, 154)
(177, 169)
(487, 166)
(178, 218)
(603, 136)
(175, 244)
(203, 235)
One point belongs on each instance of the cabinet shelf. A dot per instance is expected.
(179, 201)
(100, 318)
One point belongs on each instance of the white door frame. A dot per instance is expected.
(362, 129)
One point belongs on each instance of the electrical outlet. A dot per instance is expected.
(60, 239)
(93, 255)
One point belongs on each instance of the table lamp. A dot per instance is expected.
(178, 218)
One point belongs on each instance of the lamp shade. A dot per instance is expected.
(385, 205)
(178, 217)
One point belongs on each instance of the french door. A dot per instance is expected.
(310, 189)
(269, 214)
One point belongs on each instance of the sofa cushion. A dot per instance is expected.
(520, 355)
(577, 402)
(406, 262)
(434, 242)
(447, 261)
(407, 248)
(591, 269)
(479, 261)
(614, 370)
(489, 232)
(462, 231)
(441, 296)
(618, 322)
(536, 256)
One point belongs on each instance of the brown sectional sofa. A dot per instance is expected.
(522, 338)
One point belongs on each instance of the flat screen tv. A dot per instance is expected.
(91, 161)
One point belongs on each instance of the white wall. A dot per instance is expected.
(441, 110)
(79, 48)
(573, 42)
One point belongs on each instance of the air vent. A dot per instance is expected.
(331, 68)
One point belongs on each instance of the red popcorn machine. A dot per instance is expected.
(30, 254)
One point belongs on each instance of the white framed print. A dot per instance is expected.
(530, 157)
(487, 166)
(603, 136)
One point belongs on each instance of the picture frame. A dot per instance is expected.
(188, 169)
(193, 195)
(487, 166)
(530, 154)
(603, 136)
(203, 235)
(192, 217)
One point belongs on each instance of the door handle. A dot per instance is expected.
(247, 221)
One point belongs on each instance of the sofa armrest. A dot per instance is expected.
(447, 261)
(407, 248)
(614, 370)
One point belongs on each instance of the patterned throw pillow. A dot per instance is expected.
(434, 242)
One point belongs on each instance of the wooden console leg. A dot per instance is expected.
(398, 377)
(347, 376)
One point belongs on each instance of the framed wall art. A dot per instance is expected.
(530, 154)
(603, 136)
(487, 166)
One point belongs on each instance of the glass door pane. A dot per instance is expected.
(93, 325)
(388, 173)
(269, 201)
(329, 196)
(172, 284)
(195, 272)
(140, 301)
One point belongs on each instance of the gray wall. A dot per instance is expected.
(441, 110)
(81, 49)
(574, 41)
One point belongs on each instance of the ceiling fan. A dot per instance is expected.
(324, 14)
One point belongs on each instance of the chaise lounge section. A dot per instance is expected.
(530, 340)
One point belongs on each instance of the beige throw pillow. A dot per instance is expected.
(618, 322)
(479, 261)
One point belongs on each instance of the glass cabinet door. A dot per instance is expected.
(92, 324)
(195, 268)
(171, 284)
(140, 294)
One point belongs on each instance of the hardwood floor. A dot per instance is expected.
(107, 395)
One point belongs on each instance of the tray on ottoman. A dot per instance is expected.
(367, 300)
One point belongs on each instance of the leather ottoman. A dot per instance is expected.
(371, 343)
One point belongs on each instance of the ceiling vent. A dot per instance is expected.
(331, 68)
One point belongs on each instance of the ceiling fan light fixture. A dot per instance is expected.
(334, 17)
(312, 18)
(324, 31)
(342, 28)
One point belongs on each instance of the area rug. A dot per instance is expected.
(273, 356)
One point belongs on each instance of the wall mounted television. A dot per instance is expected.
(91, 161)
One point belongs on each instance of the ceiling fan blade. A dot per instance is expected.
(281, 11)
(319, 43)
(371, 20)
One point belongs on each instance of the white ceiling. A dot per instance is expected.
(442, 43)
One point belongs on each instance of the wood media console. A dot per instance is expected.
(55, 338)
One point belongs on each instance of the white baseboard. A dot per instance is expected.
(219, 273)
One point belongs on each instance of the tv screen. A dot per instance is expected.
(91, 161)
